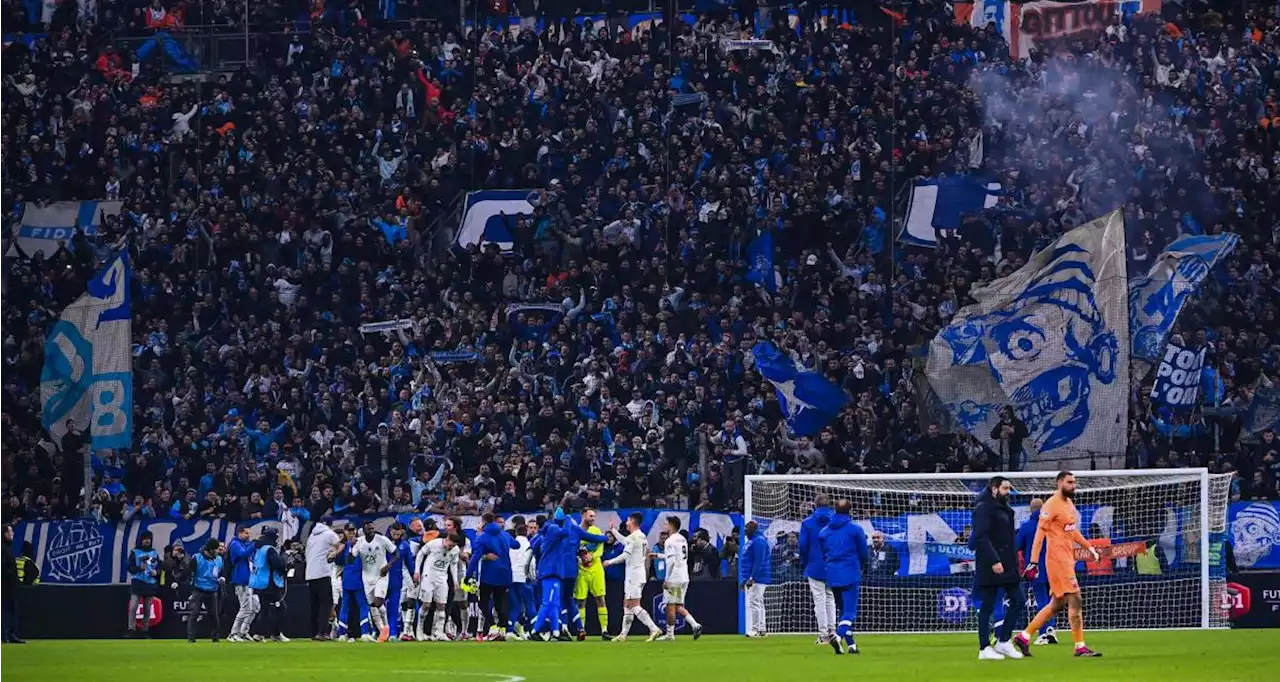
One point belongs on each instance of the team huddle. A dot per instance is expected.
(531, 582)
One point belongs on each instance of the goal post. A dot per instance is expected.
(1160, 532)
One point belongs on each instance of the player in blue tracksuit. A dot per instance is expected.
(569, 574)
(395, 581)
(407, 616)
(490, 565)
(845, 551)
(1040, 585)
(815, 568)
(240, 553)
(547, 547)
(353, 600)
(755, 575)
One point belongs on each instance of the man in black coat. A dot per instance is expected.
(996, 568)
(10, 590)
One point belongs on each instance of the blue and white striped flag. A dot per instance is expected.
(44, 228)
(88, 370)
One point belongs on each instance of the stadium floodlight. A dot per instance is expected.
(1160, 532)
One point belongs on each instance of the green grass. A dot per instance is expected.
(1217, 656)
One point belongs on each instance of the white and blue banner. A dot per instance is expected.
(941, 204)
(1050, 340)
(1255, 534)
(482, 216)
(88, 362)
(1177, 382)
(85, 552)
(45, 228)
(1157, 297)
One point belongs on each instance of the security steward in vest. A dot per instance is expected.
(28, 569)
(206, 583)
(267, 581)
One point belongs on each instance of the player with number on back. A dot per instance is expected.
(845, 552)
(1058, 531)
(675, 555)
(635, 553)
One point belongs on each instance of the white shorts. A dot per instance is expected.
(633, 590)
(673, 593)
(378, 590)
(433, 592)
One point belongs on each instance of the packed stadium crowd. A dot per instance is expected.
(606, 361)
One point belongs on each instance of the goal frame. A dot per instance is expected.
(1201, 472)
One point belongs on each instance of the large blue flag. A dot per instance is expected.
(941, 204)
(1157, 297)
(809, 400)
(88, 358)
(760, 262)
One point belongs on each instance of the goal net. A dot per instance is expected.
(1159, 531)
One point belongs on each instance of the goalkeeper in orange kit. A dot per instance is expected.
(1058, 532)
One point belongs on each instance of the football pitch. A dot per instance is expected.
(1213, 656)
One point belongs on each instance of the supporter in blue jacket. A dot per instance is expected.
(844, 548)
(815, 568)
(206, 580)
(241, 553)
(491, 565)
(755, 575)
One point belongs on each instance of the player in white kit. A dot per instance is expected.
(635, 554)
(434, 560)
(675, 552)
(373, 550)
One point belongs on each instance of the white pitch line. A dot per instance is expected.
(497, 677)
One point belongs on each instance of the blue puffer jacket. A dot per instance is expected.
(549, 544)
(492, 540)
(755, 563)
(241, 552)
(844, 547)
(810, 549)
